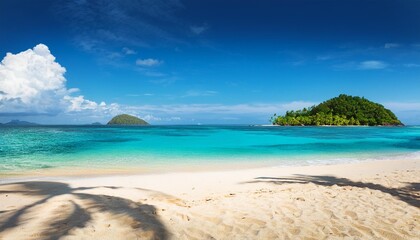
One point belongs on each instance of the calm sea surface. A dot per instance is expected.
(41, 147)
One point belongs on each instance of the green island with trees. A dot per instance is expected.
(343, 110)
(125, 119)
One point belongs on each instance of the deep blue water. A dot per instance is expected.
(40, 147)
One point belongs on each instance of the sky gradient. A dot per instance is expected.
(190, 62)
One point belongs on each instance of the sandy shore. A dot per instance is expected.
(368, 200)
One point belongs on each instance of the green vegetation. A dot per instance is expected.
(341, 110)
(125, 119)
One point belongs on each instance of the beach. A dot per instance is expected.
(361, 200)
(226, 120)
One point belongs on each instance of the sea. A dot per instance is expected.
(165, 148)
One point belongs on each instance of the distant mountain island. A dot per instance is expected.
(343, 110)
(125, 119)
(20, 123)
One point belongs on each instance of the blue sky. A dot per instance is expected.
(189, 62)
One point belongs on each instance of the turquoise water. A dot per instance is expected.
(42, 147)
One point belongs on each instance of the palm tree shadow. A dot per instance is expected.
(61, 227)
(143, 217)
(409, 194)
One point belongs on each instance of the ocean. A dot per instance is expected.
(37, 148)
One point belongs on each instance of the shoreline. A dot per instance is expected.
(358, 171)
(376, 199)
(196, 167)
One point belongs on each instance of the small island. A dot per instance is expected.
(343, 110)
(125, 119)
(20, 123)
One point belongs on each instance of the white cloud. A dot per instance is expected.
(165, 81)
(391, 45)
(157, 19)
(199, 29)
(372, 65)
(407, 112)
(113, 55)
(128, 51)
(324, 57)
(33, 83)
(411, 65)
(154, 74)
(139, 95)
(79, 103)
(365, 65)
(29, 74)
(195, 93)
(148, 62)
(150, 117)
(403, 106)
(257, 108)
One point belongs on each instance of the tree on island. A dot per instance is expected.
(125, 119)
(343, 110)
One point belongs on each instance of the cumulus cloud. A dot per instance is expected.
(148, 62)
(31, 75)
(33, 83)
(372, 65)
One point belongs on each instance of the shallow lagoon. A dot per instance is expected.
(151, 147)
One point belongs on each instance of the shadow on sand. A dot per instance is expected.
(142, 216)
(409, 194)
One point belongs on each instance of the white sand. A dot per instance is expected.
(368, 200)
